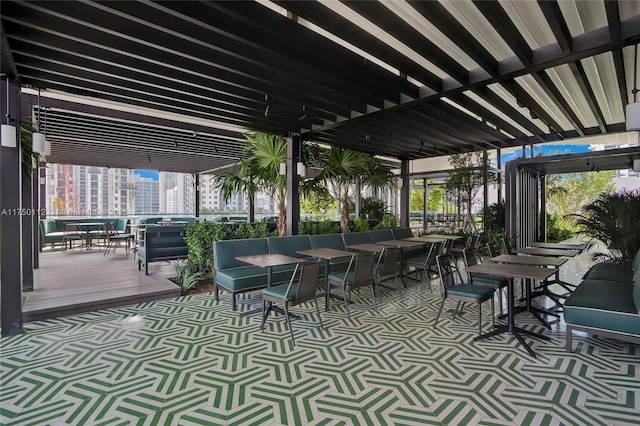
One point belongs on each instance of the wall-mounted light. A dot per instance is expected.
(9, 133)
(38, 142)
(283, 169)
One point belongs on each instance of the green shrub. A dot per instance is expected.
(317, 228)
(360, 225)
(388, 221)
(200, 237)
(253, 230)
(556, 231)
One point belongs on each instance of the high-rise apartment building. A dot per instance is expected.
(177, 193)
(89, 191)
(147, 196)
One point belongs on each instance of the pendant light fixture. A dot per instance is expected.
(37, 138)
(9, 135)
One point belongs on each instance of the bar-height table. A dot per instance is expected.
(401, 244)
(534, 261)
(511, 272)
(268, 261)
(327, 254)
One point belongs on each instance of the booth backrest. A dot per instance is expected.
(289, 245)
(401, 233)
(356, 238)
(381, 235)
(164, 242)
(333, 241)
(225, 252)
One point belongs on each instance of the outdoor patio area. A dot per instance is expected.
(191, 360)
(72, 281)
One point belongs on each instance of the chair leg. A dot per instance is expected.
(455, 312)
(373, 293)
(439, 311)
(264, 314)
(315, 301)
(493, 314)
(286, 315)
(500, 300)
(480, 317)
(346, 302)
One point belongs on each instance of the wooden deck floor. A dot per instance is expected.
(71, 282)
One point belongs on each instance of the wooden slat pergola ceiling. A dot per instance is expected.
(405, 79)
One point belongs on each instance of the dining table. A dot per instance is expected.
(85, 228)
(552, 252)
(327, 254)
(560, 246)
(511, 271)
(539, 261)
(268, 261)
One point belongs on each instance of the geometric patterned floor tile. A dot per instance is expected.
(192, 361)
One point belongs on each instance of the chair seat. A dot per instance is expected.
(340, 278)
(472, 291)
(417, 261)
(279, 291)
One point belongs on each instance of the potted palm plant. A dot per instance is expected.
(613, 219)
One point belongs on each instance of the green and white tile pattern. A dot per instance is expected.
(191, 361)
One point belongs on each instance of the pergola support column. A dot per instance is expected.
(293, 198)
(405, 192)
(11, 224)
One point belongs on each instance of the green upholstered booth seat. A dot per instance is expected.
(401, 233)
(482, 279)
(381, 235)
(333, 241)
(162, 243)
(290, 245)
(606, 308)
(356, 238)
(236, 276)
(620, 272)
(242, 278)
(404, 233)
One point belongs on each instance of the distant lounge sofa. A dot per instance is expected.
(161, 243)
(606, 303)
(52, 230)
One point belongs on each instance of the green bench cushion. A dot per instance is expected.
(381, 235)
(356, 238)
(619, 272)
(604, 305)
(242, 278)
(333, 241)
(482, 279)
(225, 252)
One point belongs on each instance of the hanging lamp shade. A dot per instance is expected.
(633, 116)
(38, 142)
(47, 147)
(9, 139)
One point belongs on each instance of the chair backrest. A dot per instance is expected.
(389, 258)
(445, 269)
(110, 229)
(475, 241)
(363, 272)
(508, 249)
(307, 282)
(71, 229)
(435, 249)
(492, 249)
(467, 244)
(447, 245)
(470, 258)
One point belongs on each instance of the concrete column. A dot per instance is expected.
(405, 192)
(10, 219)
(293, 198)
(197, 195)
